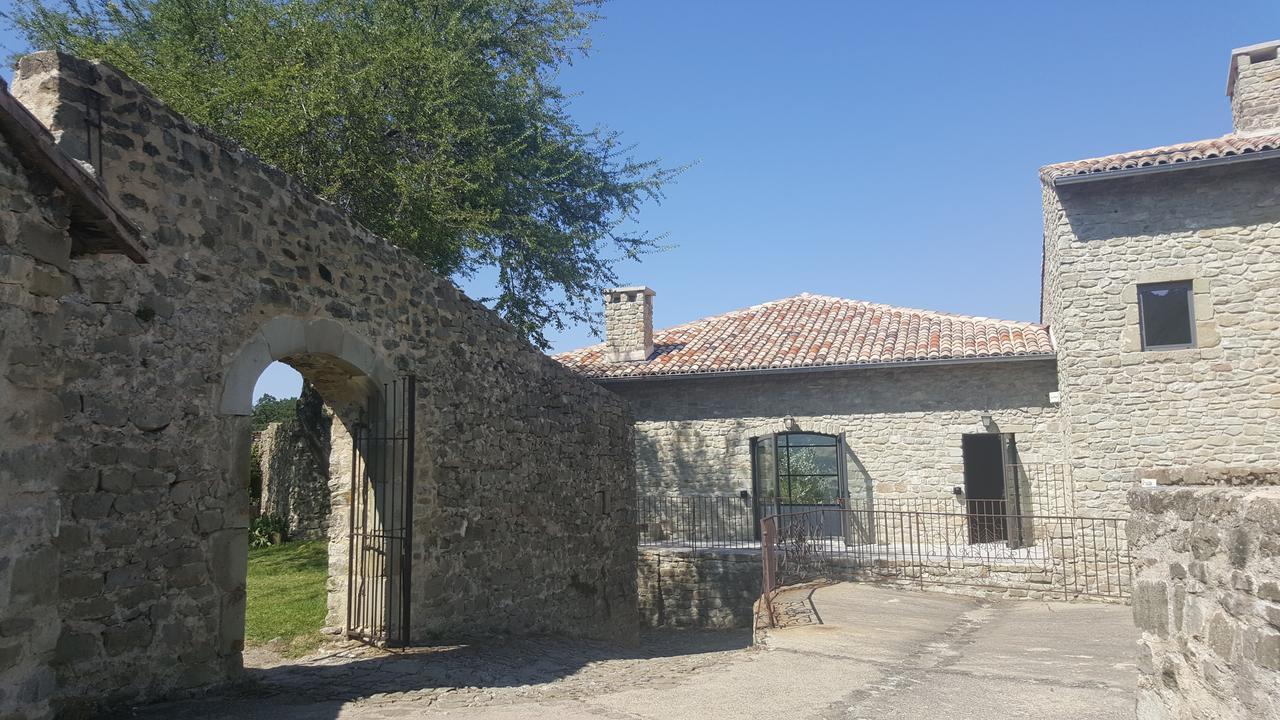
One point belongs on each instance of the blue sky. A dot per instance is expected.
(882, 151)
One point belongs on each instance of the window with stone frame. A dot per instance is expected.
(1166, 315)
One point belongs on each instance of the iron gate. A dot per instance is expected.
(379, 568)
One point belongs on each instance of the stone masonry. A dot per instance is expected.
(1217, 226)
(902, 426)
(1254, 88)
(1217, 402)
(698, 588)
(294, 459)
(628, 321)
(125, 393)
(1206, 546)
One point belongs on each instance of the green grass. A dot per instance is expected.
(286, 595)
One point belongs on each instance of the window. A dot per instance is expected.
(1165, 315)
(798, 469)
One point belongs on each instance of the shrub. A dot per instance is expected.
(267, 530)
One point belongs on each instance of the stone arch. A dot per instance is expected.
(781, 425)
(348, 374)
(334, 356)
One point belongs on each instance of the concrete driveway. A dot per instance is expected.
(850, 651)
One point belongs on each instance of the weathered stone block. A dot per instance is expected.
(74, 647)
(10, 654)
(125, 577)
(131, 635)
(1151, 607)
(45, 243)
(1265, 644)
(34, 575)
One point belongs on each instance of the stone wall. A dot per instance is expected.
(35, 271)
(902, 426)
(1123, 408)
(126, 443)
(294, 460)
(698, 588)
(1207, 597)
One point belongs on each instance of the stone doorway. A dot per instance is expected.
(341, 402)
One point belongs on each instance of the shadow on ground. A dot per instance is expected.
(320, 685)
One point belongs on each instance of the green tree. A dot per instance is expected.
(270, 409)
(437, 123)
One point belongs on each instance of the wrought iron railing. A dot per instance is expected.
(1047, 555)
(697, 521)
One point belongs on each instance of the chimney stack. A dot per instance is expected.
(1253, 84)
(628, 324)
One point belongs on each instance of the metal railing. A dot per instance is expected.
(1044, 555)
(697, 521)
(730, 521)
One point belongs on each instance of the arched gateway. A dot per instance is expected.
(137, 307)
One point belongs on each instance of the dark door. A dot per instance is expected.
(381, 522)
(984, 487)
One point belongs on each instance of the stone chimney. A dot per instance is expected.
(1253, 84)
(628, 324)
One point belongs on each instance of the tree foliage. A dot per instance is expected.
(269, 409)
(437, 123)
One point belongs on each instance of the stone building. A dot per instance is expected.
(881, 403)
(1162, 291)
(1159, 346)
(149, 271)
(1158, 351)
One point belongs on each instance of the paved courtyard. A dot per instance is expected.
(849, 652)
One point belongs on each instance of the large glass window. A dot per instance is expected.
(798, 469)
(1165, 314)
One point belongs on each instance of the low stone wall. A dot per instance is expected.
(1206, 550)
(698, 588)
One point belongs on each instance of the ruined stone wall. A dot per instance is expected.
(698, 588)
(1206, 550)
(133, 450)
(1215, 403)
(294, 459)
(902, 426)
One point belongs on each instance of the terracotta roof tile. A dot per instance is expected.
(1225, 146)
(815, 330)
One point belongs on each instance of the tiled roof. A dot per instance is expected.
(815, 330)
(1223, 147)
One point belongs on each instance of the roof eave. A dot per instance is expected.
(822, 368)
(106, 228)
(1077, 179)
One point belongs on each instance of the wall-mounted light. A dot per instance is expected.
(987, 422)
